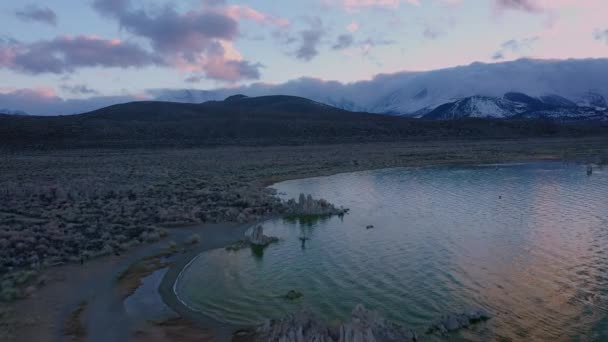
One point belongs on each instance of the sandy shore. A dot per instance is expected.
(85, 302)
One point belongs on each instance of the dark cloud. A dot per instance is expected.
(309, 40)
(516, 47)
(40, 14)
(498, 55)
(344, 41)
(194, 41)
(65, 54)
(378, 41)
(171, 32)
(79, 89)
(519, 5)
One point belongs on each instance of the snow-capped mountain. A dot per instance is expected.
(519, 105)
(559, 87)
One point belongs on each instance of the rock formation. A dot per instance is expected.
(258, 238)
(364, 326)
(306, 205)
(454, 322)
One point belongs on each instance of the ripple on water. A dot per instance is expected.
(524, 241)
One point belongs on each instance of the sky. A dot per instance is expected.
(78, 49)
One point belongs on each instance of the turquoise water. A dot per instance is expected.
(527, 242)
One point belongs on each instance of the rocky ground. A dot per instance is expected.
(71, 206)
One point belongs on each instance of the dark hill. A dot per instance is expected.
(250, 120)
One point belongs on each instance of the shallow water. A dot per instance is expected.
(527, 242)
(146, 303)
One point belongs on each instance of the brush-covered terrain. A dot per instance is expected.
(72, 205)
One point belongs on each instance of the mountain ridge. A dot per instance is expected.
(518, 105)
(267, 120)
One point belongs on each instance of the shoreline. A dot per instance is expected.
(167, 293)
(50, 306)
(226, 331)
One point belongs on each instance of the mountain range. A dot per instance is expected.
(265, 120)
(569, 90)
(563, 90)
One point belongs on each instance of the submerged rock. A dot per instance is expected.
(238, 245)
(454, 322)
(293, 295)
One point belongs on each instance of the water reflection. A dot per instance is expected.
(526, 242)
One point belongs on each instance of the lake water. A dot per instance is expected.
(526, 242)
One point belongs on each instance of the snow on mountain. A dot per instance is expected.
(563, 83)
(591, 99)
(513, 105)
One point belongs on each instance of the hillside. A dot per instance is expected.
(242, 120)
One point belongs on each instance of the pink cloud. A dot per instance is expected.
(238, 12)
(40, 92)
(357, 5)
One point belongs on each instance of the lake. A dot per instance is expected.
(527, 242)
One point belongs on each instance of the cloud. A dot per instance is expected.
(353, 27)
(66, 54)
(431, 33)
(344, 41)
(566, 78)
(79, 89)
(548, 6)
(44, 101)
(197, 41)
(228, 71)
(239, 12)
(520, 5)
(43, 15)
(516, 47)
(356, 5)
(309, 40)
(601, 35)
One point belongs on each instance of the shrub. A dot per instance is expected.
(172, 245)
(194, 239)
(8, 294)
